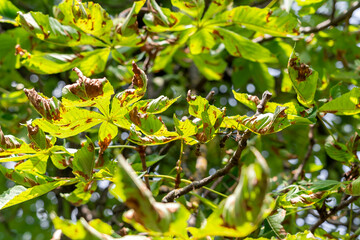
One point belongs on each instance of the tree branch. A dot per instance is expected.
(225, 170)
(332, 22)
(343, 204)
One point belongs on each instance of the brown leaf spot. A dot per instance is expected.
(268, 15)
(303, 70)
(137, 80)
(216, 32)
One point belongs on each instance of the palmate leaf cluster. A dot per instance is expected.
(125, 112)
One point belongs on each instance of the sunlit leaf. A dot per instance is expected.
(240, 46)
(346, 104)
(50, 63)
(194, 8)
(274, 22)
(8, 12)
(90, 17)
(49, 29)
(19, 194)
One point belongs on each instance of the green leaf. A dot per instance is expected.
(82, 193)
(338, 90)
(194, 8)
(72, 230)
(166, 20)
(353, 188)
(107, 132)
(90, 17)
(19, 194)
(49, 29)
(186, 130)
(210, 66)
(274, 223)
(244, 71)
(346, 104)
(84, 160)
(274, 22)
(146, 214)
(339, 152)
(27, 179)
(215, 7)
(10, 145)
(90, 63)
(166, 55)
(202, 41)
(129, 26)
(304, 80)
(240, 46)
(8, 12)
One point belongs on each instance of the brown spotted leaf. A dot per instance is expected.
(140, 139)
(194, 8)
(211, 117)
(51, 30)
(73, 121)
(274, 22)
(146, 214)
(88, 92)
(24, 178)
(90, 17)
(244, 210)
(90, 62)
(165, 20)
(304, 80)
(84, 160)
(49, 108)
(127, 31)
(37, 136)
(82, 193)
(267, 123)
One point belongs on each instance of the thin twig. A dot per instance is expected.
(141, 150)
(301, 167)
(225, 170)
(332, 22)
(343, 204)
